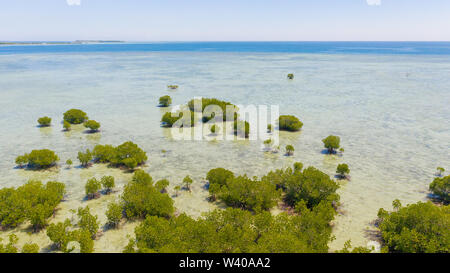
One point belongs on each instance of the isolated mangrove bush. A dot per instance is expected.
(44, 121)
(331, 143)
(38, 159)
(165, 101)
(75, 116)
(289, 123)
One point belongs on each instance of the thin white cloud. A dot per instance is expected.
(73, 2)
(373, 2)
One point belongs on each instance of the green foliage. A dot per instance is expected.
(162, 185)
(11, 246)
(348, 246)
(243, 192)
(129, 150)
(44, 121)
(69, 162)
(127, 154)
(241, 128)
(172, 86)
(187, 182)
(104, 153)
(233, 231)
(440, 170)
(170, 118)
(88, 222)
(40, 159)
(311, 186)
(32, 201)
(269, 128)
(219, 176)
(223, 105)
(290, 76)
(290, 150)
(130, 163)
(108, 183)
(441, 188)
(84, 238)
(75, 116)
(342, 170)
(60, 235)
(214, 129)
(140, 198)
(92, 125)
(331, 143)
(416, 228)
(114, 214)
(21, 160)
(289, 123)
(177, 189)
(85, 158)
(67, 126)
(30, 248)
(92, 187)
(298, 166)
(165, 101)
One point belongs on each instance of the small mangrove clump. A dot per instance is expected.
(223, 105)
(127, 154)
(331, 143)
(214, 129)
(290, 76)
(290, 123)
(75, 116)
(165, 101)
(241, 128)
(441, 188)
(342, 170)
(85, 158)
(440, 171)
(44, 121)
(92, 125)
(289, 150)
(187, 182)
(92, 187)
(38, 159)
(172, 86)
(170, 118)
(67, 126)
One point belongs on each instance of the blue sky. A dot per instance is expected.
(225, 20)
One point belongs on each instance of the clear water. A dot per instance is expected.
(390, 110)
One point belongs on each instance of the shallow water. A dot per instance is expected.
(391, 112)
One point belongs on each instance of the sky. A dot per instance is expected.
(225, 20)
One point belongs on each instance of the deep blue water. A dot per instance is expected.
(402, 48)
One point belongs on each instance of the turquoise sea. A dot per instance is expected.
(389, 103)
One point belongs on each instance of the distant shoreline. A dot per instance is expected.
(77, 42)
